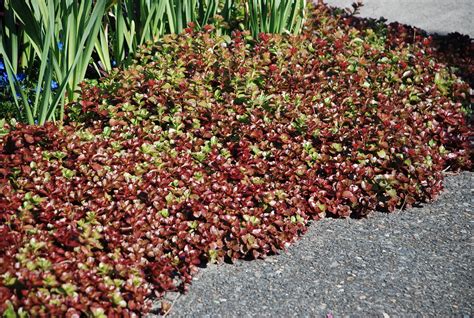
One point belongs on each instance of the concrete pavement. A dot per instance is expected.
(434, 16)
(414, 263)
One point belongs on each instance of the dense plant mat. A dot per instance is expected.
(454, 49)
(216, 148)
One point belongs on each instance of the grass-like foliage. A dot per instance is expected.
(209, 149)
(52, 40)
(275, 16)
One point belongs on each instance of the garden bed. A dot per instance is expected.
(211, 148)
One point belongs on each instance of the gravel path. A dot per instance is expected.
(415, 262)
(435, 16)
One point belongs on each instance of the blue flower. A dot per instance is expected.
(114, 63)
(60, 46)
(2, 66)
(20, 77)
(3, 79)
(54, 85)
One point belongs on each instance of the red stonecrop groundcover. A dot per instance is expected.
(210, 148)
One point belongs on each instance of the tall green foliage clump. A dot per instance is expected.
(52, 42)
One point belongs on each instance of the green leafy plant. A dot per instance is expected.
(60, 35)
(128, 24)
(275, 16)
(131, 23)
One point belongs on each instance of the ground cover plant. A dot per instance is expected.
(209, 148)
(47, 47)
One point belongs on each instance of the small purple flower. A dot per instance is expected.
(60, 46)
(2, 66)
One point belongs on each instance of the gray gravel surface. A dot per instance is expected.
(434, 16)
(417, 262)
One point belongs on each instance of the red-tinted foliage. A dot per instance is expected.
(206, 150)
